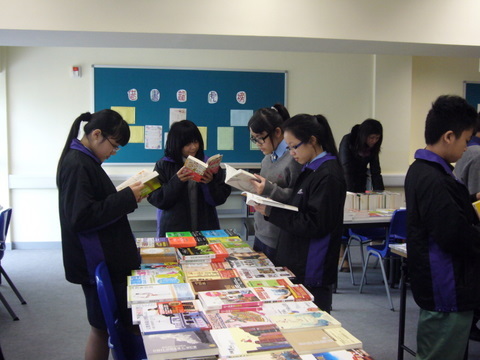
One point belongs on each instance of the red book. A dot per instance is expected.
(182, 241)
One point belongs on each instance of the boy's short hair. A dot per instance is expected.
(449, 113)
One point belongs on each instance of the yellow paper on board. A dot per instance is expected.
(137, 134)
(127, 112)
(225, 138)
(203, 131)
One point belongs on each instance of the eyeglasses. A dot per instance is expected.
(259, 140)
(290, 148)
(115, 147)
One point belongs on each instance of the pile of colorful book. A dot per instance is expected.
(195, 306)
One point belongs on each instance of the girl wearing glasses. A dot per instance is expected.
(183, 204)
(93, 218)
(310, 240)
(278, 172)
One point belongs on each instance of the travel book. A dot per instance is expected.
(179, 345)
(253, 199)
(317, 340)
(249, 340)
(296, 322)
(198, 167)
(239, 178)
(237, 318)
(229, 299)
(217, 284)
(148, 178)
(177, 322)
(350, 354)
(159, 292)
(158, 255)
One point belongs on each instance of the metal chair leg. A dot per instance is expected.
(9, 309)
(383, 274)
(14, 288)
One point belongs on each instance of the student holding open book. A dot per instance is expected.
(311, 238)
(93, 218)
(184, 204)
(278, 172)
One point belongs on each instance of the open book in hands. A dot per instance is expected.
(148, 178)
(198, 167)
(253, 199)
(239, 179)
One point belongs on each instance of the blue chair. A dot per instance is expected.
(362, 236)
(396, 232)
(5, 216)
(124, 344)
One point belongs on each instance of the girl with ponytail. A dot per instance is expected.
(93, 218)
(310, 240)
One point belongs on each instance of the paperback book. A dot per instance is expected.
(284, 354)
(176, 278)
(237, 263)
(143, 310)
(217, 284)
(150, 242)
(146, 177)
(182, 241)
(175, 307)
(179, 345)
(177, 322)
(351, 354)
(198, 167)
(159, 292)
(258, 283)
(254, 199)
(229, 299)
(239, 178)
(266, 272)
(284, 308)
(158, 255)
(295, 322)
(237, 318)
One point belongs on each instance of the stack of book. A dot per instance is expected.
(242, 306)
(372, 201)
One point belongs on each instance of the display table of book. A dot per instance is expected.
(208, 295)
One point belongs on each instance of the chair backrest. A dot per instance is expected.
(5, 216)
(109, 308)
(397, 231)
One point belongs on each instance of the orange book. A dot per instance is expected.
(182, 241)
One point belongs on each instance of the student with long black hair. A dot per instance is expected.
(183, 204)
(93, 218)
(278, 172)
(310, 242)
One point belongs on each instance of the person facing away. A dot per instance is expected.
(443, 234)
(359, 153)
(278, 171)
(183, 204)
(310, 240)
(93, 218)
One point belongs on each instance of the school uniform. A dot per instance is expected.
(310, 242)
(188, 205)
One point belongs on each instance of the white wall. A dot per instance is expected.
(43, 101)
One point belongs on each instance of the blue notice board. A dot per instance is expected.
(218, 101)
(472, 93)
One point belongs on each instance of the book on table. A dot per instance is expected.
(148, 178)
(237, 318)
(179, 345)
(284, 354)
(285, 308)
(297, 322)
(150, 242)
(283, 293)
(177, 322)
(229, 299)
(239, 179)
(158, 255)
(254, 199)
(198, 167)
(350, 354)
(175, 307)
(265, 272)
(217, 284)
(317, 340)
(159, 292)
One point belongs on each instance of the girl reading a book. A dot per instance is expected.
(93, 218)
(184, 204)
(310, 240)
(278, 172)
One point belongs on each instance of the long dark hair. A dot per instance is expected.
(268, 119)
(303, 126)
(182, 133)
(360, 133)
(109, 122)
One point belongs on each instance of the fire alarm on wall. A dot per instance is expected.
(76, 71)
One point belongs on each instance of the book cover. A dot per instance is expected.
(274, 293)
(247, 254)
(350, 354)
(159, 269)
(239, 178)
(248, 340)
(177, 322)
(156, 266)
(214, 233)
(179, 345)
(158, 255)
(202, 275)
(196, 252)
(317, 340)
(284, 308)
(175, 278)
(253, 199)
(143, 310)
(175, 307)
(254, 283)
(237, 318)
(159, 292)
(182, 241)
(235, 298)
(284, 354)
(294, 322)
(147, 177)
(266, 272)
(236, 263)
(198, 167)
(217, 284)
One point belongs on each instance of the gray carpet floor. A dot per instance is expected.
(53, 324)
